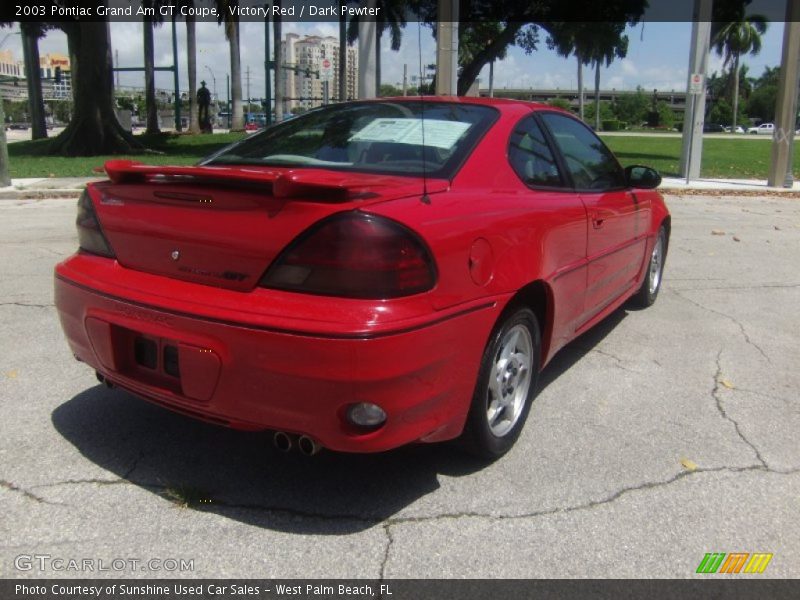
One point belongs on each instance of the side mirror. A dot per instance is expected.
(639, 176)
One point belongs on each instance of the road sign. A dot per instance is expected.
(326, 71)
(696, 83)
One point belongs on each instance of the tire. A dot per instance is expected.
(506, 386)
(651, 285)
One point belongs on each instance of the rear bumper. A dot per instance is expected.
(422, 372)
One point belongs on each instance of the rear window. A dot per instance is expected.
(376, 137)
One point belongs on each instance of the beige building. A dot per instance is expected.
(9, 66)
(303, 83)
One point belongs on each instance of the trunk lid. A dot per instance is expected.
(223, 226)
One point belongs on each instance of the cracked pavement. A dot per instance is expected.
(659, 436)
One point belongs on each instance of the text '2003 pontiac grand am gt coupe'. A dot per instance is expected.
(364, 276)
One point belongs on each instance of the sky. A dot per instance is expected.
(658, 56)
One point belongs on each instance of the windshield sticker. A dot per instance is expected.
(438, 133)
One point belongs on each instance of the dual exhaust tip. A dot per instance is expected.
(286, 441)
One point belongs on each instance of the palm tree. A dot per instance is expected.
(191, 64)
(733, 39)
(231, 21)
(392, 17)
(31, 32)
(149, 76)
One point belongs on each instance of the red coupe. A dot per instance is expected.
(364, 276)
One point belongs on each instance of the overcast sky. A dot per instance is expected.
(657, 57)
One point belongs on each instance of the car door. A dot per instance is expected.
(615, 240)
(559, 217)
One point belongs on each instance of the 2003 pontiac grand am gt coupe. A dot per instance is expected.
(364, 276)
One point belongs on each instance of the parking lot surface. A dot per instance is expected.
(659, 436)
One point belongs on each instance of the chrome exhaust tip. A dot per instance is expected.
(282, 441)
(308, 446)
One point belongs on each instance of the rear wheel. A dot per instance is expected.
(648, 293)
(506, 385)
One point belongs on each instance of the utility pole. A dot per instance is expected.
(447, 48)
(405, 80)
(116, 60)
(267, 74)
(228, 86)
(692, 150)
(248, 88)
(491, 78)
(780, 168)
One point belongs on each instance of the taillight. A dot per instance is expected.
(90, 235)
(354, 255)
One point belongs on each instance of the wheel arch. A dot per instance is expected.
(538, 297)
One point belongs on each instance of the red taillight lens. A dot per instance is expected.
(354, 255)
(90, 235)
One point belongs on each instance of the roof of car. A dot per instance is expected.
(482, 100)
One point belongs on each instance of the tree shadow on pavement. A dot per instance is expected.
(241, 476)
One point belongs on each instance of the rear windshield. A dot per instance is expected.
(376, 137)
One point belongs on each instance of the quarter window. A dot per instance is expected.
(531, 157)
(591, 165)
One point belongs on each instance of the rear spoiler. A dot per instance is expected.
(287, 183)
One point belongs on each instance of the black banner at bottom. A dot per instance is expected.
(400, 589)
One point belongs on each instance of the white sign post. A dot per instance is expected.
(696, 83)
(326, 70)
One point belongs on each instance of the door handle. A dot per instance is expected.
(597, 221)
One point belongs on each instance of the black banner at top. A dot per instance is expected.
(528, 11)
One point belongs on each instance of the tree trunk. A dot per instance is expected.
(735, 92)
(150, 78)
(5, 179)
(191, 60)
(471, 70)
(377, 60)
(597, 96)
(278, 57)
(30, 51)
(580, 89)
(94, 128)
(237, 113)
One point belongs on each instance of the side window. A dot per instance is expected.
(530, 156)
(590, 163)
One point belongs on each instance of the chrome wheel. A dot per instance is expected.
(509, 380)
(656, 262)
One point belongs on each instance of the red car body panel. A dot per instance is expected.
(257, 358)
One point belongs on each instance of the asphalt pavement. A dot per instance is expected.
(659, 436)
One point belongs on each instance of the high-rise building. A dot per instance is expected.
(303, 82)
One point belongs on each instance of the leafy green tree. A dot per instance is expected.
(632, 108)
(94, 128)
(562, 103)
(590, 43)
(734, 38)
(666, 116)
(518, 23)
(606, 113)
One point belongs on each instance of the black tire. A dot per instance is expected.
(651, 285)
(491, 440)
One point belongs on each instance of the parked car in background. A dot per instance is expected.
(763, 129)
(739, 129)
(363, 276)
(713, 128)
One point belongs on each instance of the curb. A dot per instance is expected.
(40, 194)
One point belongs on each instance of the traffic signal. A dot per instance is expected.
(58, 74)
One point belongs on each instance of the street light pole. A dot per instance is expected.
(213, 80)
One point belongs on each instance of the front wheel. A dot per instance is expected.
(506, 384)
(648, 293)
